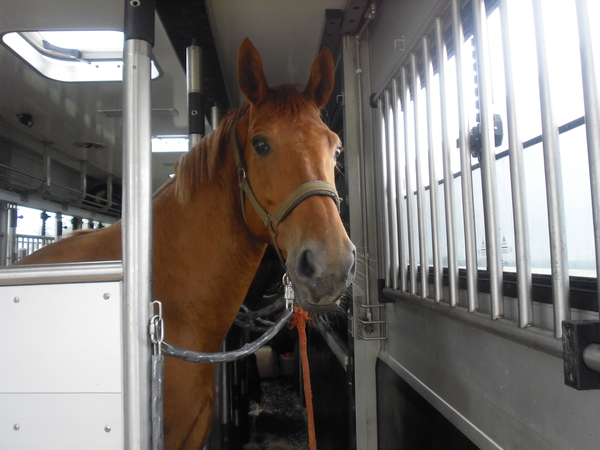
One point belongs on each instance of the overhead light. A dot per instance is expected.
(170, 143)
(73, 56)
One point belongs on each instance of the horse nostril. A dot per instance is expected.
(306, 265)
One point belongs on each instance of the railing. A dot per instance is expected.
(26, 244)
(445, 225)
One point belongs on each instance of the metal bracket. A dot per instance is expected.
(367, 324)
(580, 339)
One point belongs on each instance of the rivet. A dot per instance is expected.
(106, 296)
(134, 3)
(16, 427)
(107, 428)
(16, 299)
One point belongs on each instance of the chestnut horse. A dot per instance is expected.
(209, 235)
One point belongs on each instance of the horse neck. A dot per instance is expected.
(205, 257)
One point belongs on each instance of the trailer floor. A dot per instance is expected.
(279, 421)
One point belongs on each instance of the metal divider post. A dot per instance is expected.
(391, 179)
(193, 74)
(447, 162)
(591, 101)
(412, 257)
(488, 160)
(433, 182)
(517, 180)
(137, 222)
(416, 88)
(554, 191)
(465, 164)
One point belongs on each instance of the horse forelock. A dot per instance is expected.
(205, 160)
(289, 101)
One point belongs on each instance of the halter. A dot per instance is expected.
(301, 193)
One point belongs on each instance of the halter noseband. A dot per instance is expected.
(301, 193)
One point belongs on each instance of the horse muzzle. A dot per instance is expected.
(321, 276)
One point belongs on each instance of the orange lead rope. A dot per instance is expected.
(299, 320)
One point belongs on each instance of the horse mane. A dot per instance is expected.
(203, 161)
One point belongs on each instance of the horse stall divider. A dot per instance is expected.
(61, 380)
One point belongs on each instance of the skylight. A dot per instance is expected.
(73, 56)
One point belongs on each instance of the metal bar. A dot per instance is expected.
(554, 192)
(137, 223)
(398, 175)
(591, 357)
(412, 257)
(465, 164)
(61, 273)
(361, 159)
(194, 89)
(416, 88)
(385, 223)
(214, 117)
(517, 179)
(391, 182)
(488, 161)
(433, 182)
(591, 101)
(447, 163)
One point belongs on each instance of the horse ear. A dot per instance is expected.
(250, 73)
(320, 84)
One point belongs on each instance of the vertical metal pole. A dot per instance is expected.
(488, 160)
(361, 161)
(554, 192)
(416, 88)
(384, 193)
(591, 100)
(391, 181)
(137, 222)
(517, 178)
(399, 184)
(4, 233)
(433, 182)
(195, 99)
(465, 164)
(412, 257)
(214, 117)
(447, 162)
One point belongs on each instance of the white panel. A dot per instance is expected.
(60, 338)
(61, 421)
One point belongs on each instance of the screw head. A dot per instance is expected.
(16, 299)
(107, 428)
(16, 427)
(106, 296)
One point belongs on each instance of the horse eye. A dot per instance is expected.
(260, 146)
(338, 151)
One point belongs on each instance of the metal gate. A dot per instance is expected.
(484, 240)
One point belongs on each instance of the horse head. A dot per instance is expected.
(286, 169)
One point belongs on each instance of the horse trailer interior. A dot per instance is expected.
(469, 184)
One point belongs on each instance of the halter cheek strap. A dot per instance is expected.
(301, 193)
